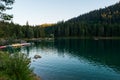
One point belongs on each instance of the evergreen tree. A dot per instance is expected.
(5, 5)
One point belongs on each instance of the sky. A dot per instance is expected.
(38, 12)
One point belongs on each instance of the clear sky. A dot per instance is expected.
(51, 11)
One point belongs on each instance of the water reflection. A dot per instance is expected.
(74, 59)
(106, 52)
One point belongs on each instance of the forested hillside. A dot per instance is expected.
(98, 23)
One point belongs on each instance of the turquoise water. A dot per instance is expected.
(74, 59)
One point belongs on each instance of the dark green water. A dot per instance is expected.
(74, 59)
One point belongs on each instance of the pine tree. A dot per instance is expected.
(5, 5)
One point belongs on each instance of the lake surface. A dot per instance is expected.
(74, 59)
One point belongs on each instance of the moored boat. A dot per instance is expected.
(16, 45)
(1, 47)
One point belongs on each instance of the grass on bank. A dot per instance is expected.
(15, 67)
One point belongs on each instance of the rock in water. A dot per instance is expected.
(37, 56)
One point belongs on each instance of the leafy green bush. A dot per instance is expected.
(15, 67)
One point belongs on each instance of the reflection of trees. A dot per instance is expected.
(105, 52)
(44, 44)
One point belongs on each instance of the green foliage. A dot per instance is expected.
(5, 5)
(15, 31)
(15, 67)
(98, 23)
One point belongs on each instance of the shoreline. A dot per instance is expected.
(4, 41)
(91, 38)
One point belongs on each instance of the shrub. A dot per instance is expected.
(15, 67)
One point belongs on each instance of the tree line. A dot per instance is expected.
(16, 31)
(98, 23)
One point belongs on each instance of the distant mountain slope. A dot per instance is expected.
(109, 14)
(98, 23)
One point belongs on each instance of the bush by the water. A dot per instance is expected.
(15, 67)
